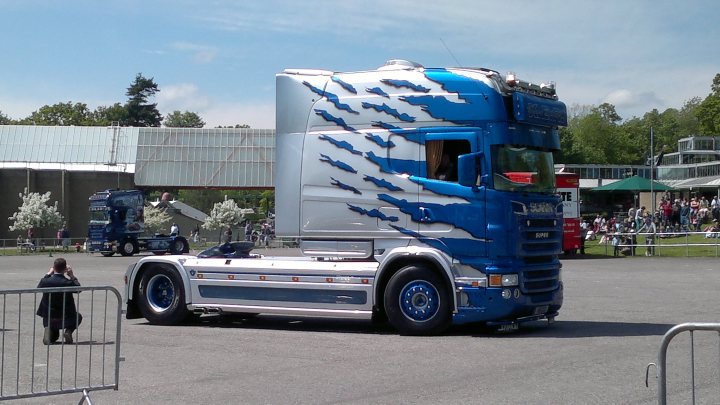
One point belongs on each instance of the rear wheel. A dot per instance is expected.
(162, 297)
(417, 301)
(127, 247)
(177, 247)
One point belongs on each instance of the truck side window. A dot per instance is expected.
(441, 157)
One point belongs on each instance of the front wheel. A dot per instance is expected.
(162, 297)
(417, 301)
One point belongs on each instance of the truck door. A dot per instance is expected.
(451, 214)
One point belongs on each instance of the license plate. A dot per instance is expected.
(541, 310)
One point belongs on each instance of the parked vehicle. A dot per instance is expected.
(117, 223)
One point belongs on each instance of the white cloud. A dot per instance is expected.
(182, 96)
(188, 97)
(200, 53)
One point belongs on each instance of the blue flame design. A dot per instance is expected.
(337, 120)
(380, 141)
(390, 111)
(345, 85)
(382, 183)
(375, 213)
(405, 84)
(331, 98)
(441, 187)
(384, 125)
(341, 144)
(453, 214)
(388, 165)
(378, 91)
(336, 182)
(449, 245)
(337, 163)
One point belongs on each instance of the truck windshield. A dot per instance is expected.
(523, 169)
(98, 217)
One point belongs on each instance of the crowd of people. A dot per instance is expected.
(671, 218)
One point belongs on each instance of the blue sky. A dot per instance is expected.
(219, 57)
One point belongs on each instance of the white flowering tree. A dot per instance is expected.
(224, 214)
(156, 219)
(35, 212)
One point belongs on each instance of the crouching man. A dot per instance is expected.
(52, 305)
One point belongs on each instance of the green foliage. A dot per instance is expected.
(114, 114)
(140, 112)
(187, 119)
(4, 119)
(61, 114)
(708, 111)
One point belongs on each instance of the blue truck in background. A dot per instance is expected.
(117, 223)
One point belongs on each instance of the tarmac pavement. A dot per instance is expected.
(610, 327)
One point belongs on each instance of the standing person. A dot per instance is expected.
(639, 214)
(52, 305)
(651, 229)
(248, 231)
(196, 233)
(227, 235)
(65, 235)
(174, 230)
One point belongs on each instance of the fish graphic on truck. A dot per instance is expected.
(402, 185)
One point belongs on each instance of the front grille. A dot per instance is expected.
(533, 281)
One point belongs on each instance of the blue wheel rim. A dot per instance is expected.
(160, 292)
(419, 300)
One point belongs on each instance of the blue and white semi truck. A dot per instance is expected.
(399, 184)
(117, 224)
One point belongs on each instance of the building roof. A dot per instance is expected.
(175, 157)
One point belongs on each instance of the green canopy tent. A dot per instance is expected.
(633, 184)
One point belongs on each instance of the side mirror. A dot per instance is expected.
(469, 168)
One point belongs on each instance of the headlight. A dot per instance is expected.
(509, 280)
(503, 280)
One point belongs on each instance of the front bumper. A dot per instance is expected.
(479, 304)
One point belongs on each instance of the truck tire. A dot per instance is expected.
(162, 297)
(127, 247)
(417, 301)
(177, 247)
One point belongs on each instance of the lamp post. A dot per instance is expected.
(652, 173)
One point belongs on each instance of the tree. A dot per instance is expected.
(61, 114)
(140, 112)
(156, 219)
(234, 126)
(4, 119)
(187, 119)
(224, 214)
(35, 213)
(708, 112)
(116, 113)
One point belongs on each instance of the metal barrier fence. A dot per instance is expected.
(661, 364)
(645, 243)
(29, 368)
(47, 246)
